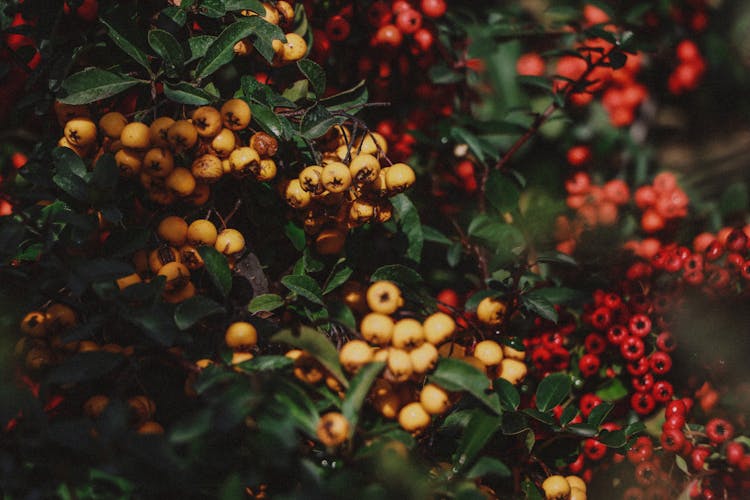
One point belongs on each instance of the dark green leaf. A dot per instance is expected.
(217, 267)
(583, 430)
(455, 375)
(503, 238)
(599, 413)
(613, 439)
(317, 121)
(508, 394)
(191, 427)
(538, 304)
(266, 363)
(304, 286)
(265, 302)
(317, 345)
(488, 466)
(125, 37)
(735, 199)
(397, 273)
(339, 274)
(359, 387)
(167, 47)
(433, 235)
(194, 309)
(514, 422)
(106, 174)
(94, 84)
(545, 418)
(212, 8)
(552, 391)
(568, 414)
(220, 52)
(298, 406)
(84, 366)
(198, 46)
(315, 75)
(185, 93)
(617, 59)
(156, 322)
(554, 257)
(531, 492)
(502, 192)
(348, 100)
(442, 75)
(296, 235)
(253, 5)
(478, 432)
(408, 221)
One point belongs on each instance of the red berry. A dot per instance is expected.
(379, 14)
(433, 8)
(674, 422)
(736, 241)
(665, 342)
(338, 28)
(640, 325)
(662, 391)
(18, 160)
(719, 430)
(601, 318)
(632, 348)
(639, 367)
(687, 51)
(589, 365)
(579, 155)
(642, 403)
(672, 440)
(661, 362)
(388, 35)
(735, 452)
(676, 407)
(646, 473)
(643, 383)
(616, 334)
(530, 64)
(588, 402)
(714, 251)
(641, 450)
(593, 449)
(423, 38)
(409, 21)
(698, 457)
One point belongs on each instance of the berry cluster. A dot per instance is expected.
(662, 202)
(689, 71)
(350, 188)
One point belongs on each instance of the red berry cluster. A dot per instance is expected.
(662, 202)
(719, 265)
(594, 205)
(400, 141)
(688, 73)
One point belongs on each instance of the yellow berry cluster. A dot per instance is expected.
(564, 488)
(281, 14)
(210, 144)
(350, 188)
(178, 255)
(42, 344)
(141, 411)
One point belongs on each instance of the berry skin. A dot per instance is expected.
(491, 311)
(676, 407)
(408, 21)
(640, 325)
(556, 487)
(661, 363)
(338, 28)
(332, 429)
(413, 417)
(433, 8)
(719, 430)
(578, 156)
(662, 391)
(642, 403)
(589, 364)
(672, 440)
(735, 452)
(632, 348)
(384, 297)
(593, 449)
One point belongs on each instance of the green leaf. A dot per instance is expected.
(514, 422)
(583, 430)
(538, 304)
(194, 309)
(296, 235)
(681, 464)
(185, 93)
(545, 418)
(568, 414)
(266, 363)
(190, 427)
(359, 387)
(198, 46)
(613, 390)
(265, 302)
(315, 75)
(531, 492)
(69, 169)
(106, 174)
(502, 191)
(599, 413)
(84, 366)
(488, 466)
(433, 235)
(94, 84)
(613, 439)
(317, 345)
(554, 257)
(217, 267)
(552, 391)
(401, 275)
(212, 8)
(124, 36)
(298, 406)
(409, 223)
(339, 274)
(253, 5)
(168, 48)
(317, 121)
(735, 199)
(304, 286)
(539, 82)
(348, 100)
(220, 52)
(508, 394)
(442, 75)
(272, 123)
(504, 239)
(156, 321)
(478, 432)
(455, 375)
